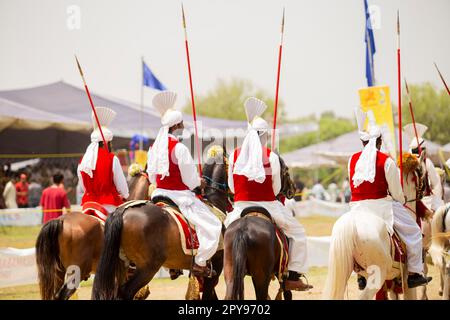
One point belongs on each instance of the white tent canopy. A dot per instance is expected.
(63, 106)
(337, 151)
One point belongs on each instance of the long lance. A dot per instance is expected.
(399, 90)
(280, 51)
(192, 93)
(412, 116)
(442, 78)
(92, 104)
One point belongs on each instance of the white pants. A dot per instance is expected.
(290, 226)
(207, 226)
(410, 233)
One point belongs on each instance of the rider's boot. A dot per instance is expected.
(294, 283)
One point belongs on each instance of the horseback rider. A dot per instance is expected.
(373, 177)
(171, 167)
(100, 172)
(434, 197)
(254, 176)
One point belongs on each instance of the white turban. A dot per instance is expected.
(411, 133)
(158, 154)
(105, 116)
(250, 161)
(365, 168)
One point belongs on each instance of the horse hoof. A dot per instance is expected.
(142, 294)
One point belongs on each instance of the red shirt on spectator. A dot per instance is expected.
(22, 200)
(53, 198)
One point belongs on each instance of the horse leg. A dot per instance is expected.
(446, 286)
(209, 284)
(141, 277)
(261, 282)
(422, 290)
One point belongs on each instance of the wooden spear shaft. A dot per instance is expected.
(92, 104)
(197, 145)
(280, 52)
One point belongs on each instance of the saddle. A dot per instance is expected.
(188, 235)
(261, 212)
(96, 210)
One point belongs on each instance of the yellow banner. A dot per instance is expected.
(378, 100)
(141, 158)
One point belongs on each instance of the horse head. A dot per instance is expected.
(138, 183)
(215, 172)
(287, 185)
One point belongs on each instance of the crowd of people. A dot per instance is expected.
(46, 184)
(333, 192)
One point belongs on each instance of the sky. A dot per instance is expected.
(323, 63)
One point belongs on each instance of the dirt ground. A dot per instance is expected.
(162, 289)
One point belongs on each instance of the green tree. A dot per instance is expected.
(432, 108)
(330, 127)
(226, 101)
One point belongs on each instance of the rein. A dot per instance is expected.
(221, 187)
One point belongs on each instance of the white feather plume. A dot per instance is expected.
(105, 116)
(164, 100)
(409, 130)
(360, 118)
(254, 108)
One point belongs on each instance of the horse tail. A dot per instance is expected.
(340, 259)
(240, 245)
(47, 259)
(438, 243)
(108, 270)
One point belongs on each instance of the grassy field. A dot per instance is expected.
(161, 289)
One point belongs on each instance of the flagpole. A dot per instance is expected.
(399, 90)
(141, 140)
(442, 78)
(280, 51)
(192, 93)
(92, 104)
(412, 116)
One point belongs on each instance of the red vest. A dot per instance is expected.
(173, 181)
(245, 190)
(366, 190)
(101, 188)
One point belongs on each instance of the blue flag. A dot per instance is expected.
(149, 79)
(370, 48)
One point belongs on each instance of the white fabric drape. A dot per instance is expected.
(249, 163)
(365, 168)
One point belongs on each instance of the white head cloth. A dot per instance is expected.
(249, 162)
(158, 154)
(105, 116)
(409, 130)
(365, 168)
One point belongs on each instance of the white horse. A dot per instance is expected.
(440, 247)
(361, 239)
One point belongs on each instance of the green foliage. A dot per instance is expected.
(226, 101)
(330, 126)
(431, 108)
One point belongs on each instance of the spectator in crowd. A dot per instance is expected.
(318, 191)
(54, 199)
(347, 193)
(333, 191)
(34, 193)
(9, 193)
(22, 191)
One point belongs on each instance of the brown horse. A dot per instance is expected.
(251, 248)
(72, 244)
(149, 237)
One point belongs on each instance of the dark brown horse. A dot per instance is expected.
(251, 248)
(149, 237)
(72, 244)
